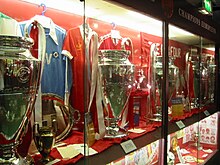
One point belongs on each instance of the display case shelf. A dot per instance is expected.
(116, 152)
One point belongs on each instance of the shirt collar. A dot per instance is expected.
(47, 22)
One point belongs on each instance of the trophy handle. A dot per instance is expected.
(71, 115)
(78, 115)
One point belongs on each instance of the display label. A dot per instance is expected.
(177, 106)
(180, 124)
(128, 146)
(53, 161)
(207, 113)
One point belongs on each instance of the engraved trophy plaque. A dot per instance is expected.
(19, 80)
(117, 76)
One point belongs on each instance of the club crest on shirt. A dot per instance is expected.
(79, 49)
(79, 46)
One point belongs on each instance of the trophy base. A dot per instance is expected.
(16, 161)
(44, 161)
(156, 117)
(115, 133)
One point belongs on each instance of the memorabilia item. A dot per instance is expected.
(19, 80)
(117, 81)
(85, 43)
(89, 129)
(211, 79)
(56, 78)
(157, 78)
(196, 140)
(54, 108)
(44, 138)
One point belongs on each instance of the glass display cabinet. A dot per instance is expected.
(123, 82)
(193, 96)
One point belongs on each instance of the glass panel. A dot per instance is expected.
(208, 72)
(191, 73)
(183, 84)
(110, 105)
(128, 43)
(184, 59)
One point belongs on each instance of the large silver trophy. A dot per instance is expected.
(19, 79)
(117, 80)
(157, 72)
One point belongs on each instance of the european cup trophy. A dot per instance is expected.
(19, 80)
(117, 76)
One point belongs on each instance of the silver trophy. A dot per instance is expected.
(19, 80)
(44, 138)
(211, 79)
(117, 76)
(157, 72)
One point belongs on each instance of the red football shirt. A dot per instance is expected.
(74, 43)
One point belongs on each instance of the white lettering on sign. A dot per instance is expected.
(208, 27)
(174, 52)
(189, 17)
(196, 20)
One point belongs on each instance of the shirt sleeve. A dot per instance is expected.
(69, 46)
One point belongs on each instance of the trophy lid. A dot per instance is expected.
(15, 44)
(114, 54)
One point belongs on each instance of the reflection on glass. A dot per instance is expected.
(196, 64)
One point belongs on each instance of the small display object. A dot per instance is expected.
(44, 138)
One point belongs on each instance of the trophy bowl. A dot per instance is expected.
(19, 81)
(117, 76)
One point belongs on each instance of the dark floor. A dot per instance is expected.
(215, 160)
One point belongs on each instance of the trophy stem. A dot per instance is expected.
(113, 130)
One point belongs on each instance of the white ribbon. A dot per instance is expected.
(41, 56)
(125, 113)
(95, 84)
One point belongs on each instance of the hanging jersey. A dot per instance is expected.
(75, 45)
(84, 67)
(53, 77)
